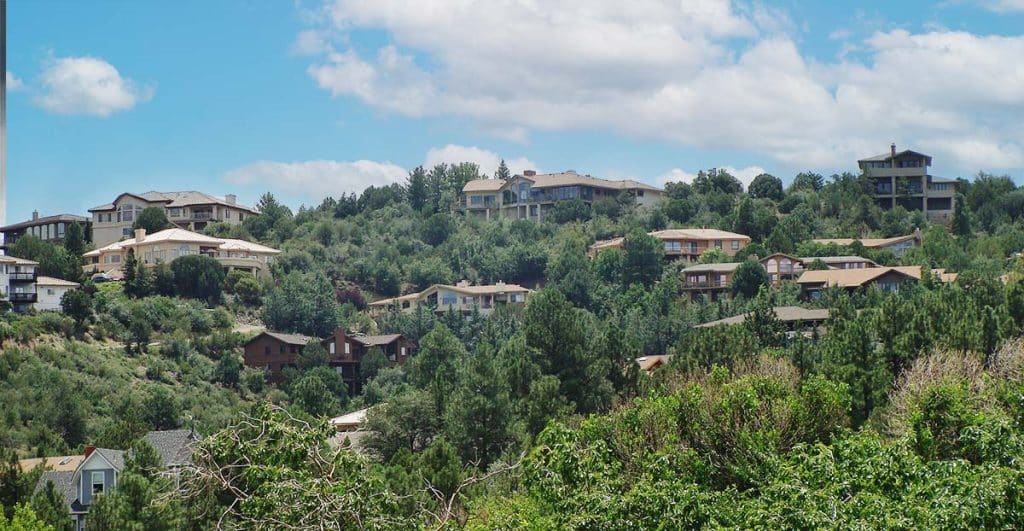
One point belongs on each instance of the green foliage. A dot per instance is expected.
(198, 277)
(152, 219)
(748, 279)
(302, 303)
(766, 186)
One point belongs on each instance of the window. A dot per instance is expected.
(718, 244)
(281, 349)
(61, 229)
(116, 259)
(404, 352)
(127, 231)
(524, 192)
(448, 300)
(673, 247)
(266, 350)
(476, 199)
(735, 245)
(348, 348)
(174, 212)
(98, 482)
(50, 291)
(333, 347)
(639, 193)
(227, 214)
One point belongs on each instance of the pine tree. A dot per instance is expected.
(502, 172)
(74, 240)
(961, 219)
(416, 188)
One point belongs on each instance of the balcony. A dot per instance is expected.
(23, 277)
(706, 284)
(23, 297)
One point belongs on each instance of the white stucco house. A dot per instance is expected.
(50, 291)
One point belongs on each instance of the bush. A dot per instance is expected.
(198, 277)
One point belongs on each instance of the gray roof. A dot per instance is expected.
(114, 457)
(44, 220)
(835, 259)
(174, 446)
(712, 268)
(64, 481)
(887, 156)
(291, 339)
(785, 314)
(373, 341)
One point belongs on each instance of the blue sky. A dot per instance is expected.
(311, 98)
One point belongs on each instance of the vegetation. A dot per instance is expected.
(905, 413)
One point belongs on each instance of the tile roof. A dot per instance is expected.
(783, 313)
(675, 234)
(50, 281)
(484, 185)
(114, 457)
(174, 446)
(488, 289)
(648, 363)
(44, 220)
(177, 199)
(836, 259)
(231, 244)
(17, 261)
(870, 243)
(174, 236)
(849, 278)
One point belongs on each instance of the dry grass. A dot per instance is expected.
(938, 368)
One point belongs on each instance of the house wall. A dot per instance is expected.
(106, 228)
(266, 352)
(94, 464)
(50, 296)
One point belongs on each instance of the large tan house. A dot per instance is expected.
(686, 244)
(710, 281)
(167, 245)
(186, 210)
(532, 195)
(902, 179)
(462, 297)
(782, 267)
(884, 278)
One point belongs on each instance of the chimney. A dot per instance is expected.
(892, 148)
(573, 172)
(35, 215)
(88, 451)
(140, 235)
(230, 199)
(529, 173)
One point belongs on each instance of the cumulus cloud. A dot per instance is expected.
(13, 82)
(316, 179)
(701, 73)
(488, 161)
(87, 86)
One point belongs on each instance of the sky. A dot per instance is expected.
(310, 98)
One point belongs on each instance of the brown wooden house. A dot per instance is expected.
(273, 351)
(346, 351)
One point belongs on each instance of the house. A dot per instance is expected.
(81, 479)
(167, 245)
(50, 291)
(349, 421)
(902, 179)
(18, 282)
(884, 278)
(709, 281)
(532, 195)
(346, 351)
(462, 297)
(648, 364)
(273, 351)
(796, 320)
(48, 228)
(686, 244)
(897, 245)
(186, 210)
(781, 267)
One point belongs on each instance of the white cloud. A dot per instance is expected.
(316, 179)
(311, 42)
(488, 161)
(87, 86)
(13, 82)
(745, 175)
(1003, 6)
(704, 74)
